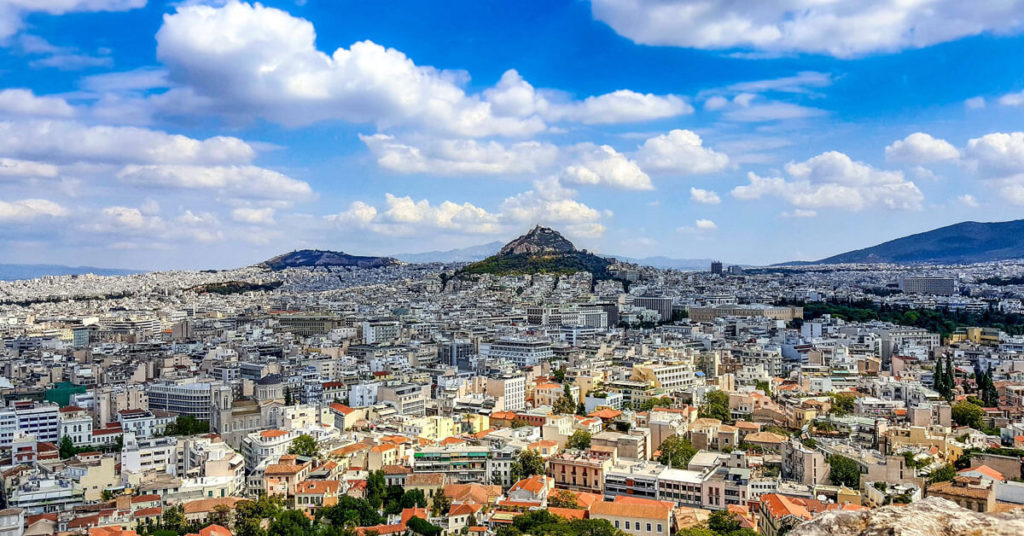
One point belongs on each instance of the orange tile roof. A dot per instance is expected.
(273, 433)
(653, 510)
(568, 513)
(985, 470)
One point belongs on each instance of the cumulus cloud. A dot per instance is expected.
(700, 226)
(680, 151)
(71, 141)
(460, 156)
(12, 12)
(1012, 99)
(236, 181)
(706, 197)
(257, 216)
(996, 154)
(968, 200)
(28, 210)
(547, 203)
(405, 216)
(604, 166)
(23, 102)
(11, 168)
(921, 148)
(188, 227)
(810, 26)
(833, 180)
(514, 96)
(248, 60)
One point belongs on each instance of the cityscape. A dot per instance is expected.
(566, 268)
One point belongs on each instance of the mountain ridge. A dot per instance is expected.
(961, 243)
(312, 258)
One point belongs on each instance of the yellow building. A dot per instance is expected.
(431, 428)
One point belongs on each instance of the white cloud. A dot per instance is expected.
(975, 103)
(840, 29)
(460, 157)
(250, 60)
(404, 216)
(801, 82)
(25, 103)
(11, 168)
(968, 200)
(833, 180)
(715, 103)
(70, 141)
(706, 197)
(680, 151)
(514, 96)
(996, 154)
(763, 111)
(800, 213)
(699, 227)
(27, 210)
(921, 148)
(259, 216)
(1012, 99)
(236, 181)
(125, 221)
(135, 80)
(604, 166)
(12, 12)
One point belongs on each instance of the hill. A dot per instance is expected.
(541, 251)
(311, 258)
(467, 254)
(967, 242)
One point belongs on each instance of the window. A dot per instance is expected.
(659, 528)
(648, 527)
(616, 524)
(627, 525)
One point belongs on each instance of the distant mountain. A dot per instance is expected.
(962, 243)
(541, 250)
(669, 263)
(468, 254)
(13, 272)
(311, 258)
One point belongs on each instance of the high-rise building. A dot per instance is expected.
(716, 267)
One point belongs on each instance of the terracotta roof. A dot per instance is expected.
(534, 484)
(568, 513)
(273, 433)
(341, 408)
(653, 510)
(391, 469)
(318, 487)
(765, 437)
(779, 506)
(425, 479)
(984, 470)
(201, 506)
(148, 512)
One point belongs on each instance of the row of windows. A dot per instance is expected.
(637, 523)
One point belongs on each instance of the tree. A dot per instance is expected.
(559, 375)
(304, 445)
(842, 403)
(656, 401)
(288, 399)
(676, 451)
(376, 488)
(440, 503)
(531, 463)
(723, 522)
(186, 425)
(220, 514)
(414, 498)
(716, 406)
(173, 518)
(422, 527)
(939, 379)
(967, 414)
(943, 474)
(66, 448)
(563, 499)
(762, 385)
(290, 523)
(580, 439)
(564, 406)
(844, 471)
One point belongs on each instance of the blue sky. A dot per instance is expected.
(216, 134)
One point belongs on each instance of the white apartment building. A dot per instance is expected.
(512, 389)
(259, 446)
(195, 399)
(520, 352)
(76, 424)
(36, 418)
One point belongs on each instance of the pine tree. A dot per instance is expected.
(950, 377)
(939, 379)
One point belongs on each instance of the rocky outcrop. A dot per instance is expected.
(930, 517)
(538, 240)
